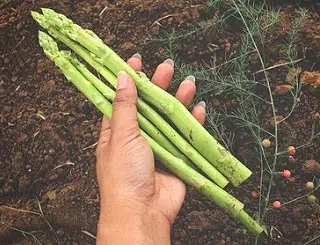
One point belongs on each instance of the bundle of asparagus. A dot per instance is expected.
(182, 155)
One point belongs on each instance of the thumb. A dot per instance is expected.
(124, 125)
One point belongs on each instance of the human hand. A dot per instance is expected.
(138, 204)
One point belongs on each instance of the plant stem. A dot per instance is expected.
(215, 153)
(143, 108)
(275, 155)
(177, 166)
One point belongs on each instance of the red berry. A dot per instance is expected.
(276, 204)
(286, 174)
(254, 194)
(291, 150)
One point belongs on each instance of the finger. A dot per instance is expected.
(199, 112)
(163, 74)
(186, 91)
(124, 125)
(135, 62)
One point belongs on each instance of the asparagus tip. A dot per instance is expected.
(49, 46)
(47, 11)
(36, 16)
(40, 19)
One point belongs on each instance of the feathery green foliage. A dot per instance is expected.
(232, 77)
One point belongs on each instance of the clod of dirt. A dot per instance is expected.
(52, 195)
(292, 75)
(311, 78)
(48, 86)
(282, 89)
(311, 166)
(128, 45)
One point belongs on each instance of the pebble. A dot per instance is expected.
(12, 19)
(19, 26)
(14, 79)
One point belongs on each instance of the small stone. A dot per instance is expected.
(19, 26)
(14, 79)
(12, 19)
(48, 86)
(52, 195)
(316, 116)
(109, 38)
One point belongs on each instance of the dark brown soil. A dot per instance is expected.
(47, 126)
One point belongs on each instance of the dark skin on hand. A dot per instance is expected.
(138, 204)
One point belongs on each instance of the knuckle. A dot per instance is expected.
(124, 101)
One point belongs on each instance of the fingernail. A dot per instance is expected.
(169, 61)
(203, 104)
(137, 55)
(191, 78)
(122, 80)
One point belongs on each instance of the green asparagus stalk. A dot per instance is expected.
(143, 107)
(215, 153)
(177, 166)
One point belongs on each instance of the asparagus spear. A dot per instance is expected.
(215, 153)
(174, 164)
(143, 107)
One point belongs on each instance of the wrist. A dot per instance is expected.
(132, 223)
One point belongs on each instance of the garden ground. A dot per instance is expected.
(48, 131)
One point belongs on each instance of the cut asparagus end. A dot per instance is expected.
(248, 222)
